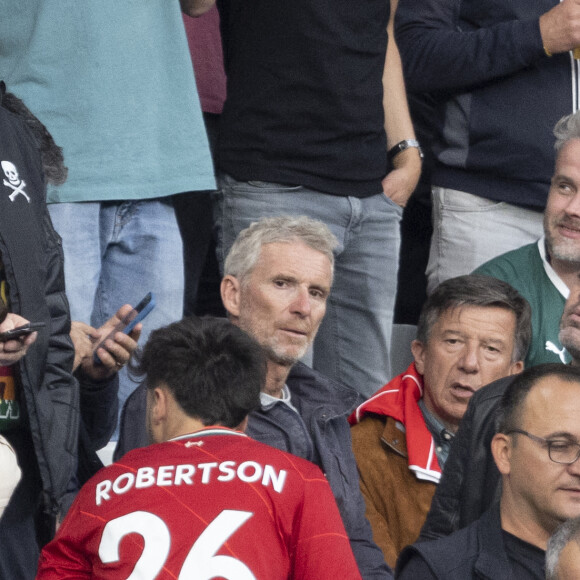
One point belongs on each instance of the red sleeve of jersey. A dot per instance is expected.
(67, 558)
(322, 548)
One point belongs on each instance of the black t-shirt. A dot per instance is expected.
(304, 104)
(527, 561)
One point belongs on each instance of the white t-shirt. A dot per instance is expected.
(9, 473)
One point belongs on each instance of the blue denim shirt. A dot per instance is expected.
(320, 432)
(441, 436)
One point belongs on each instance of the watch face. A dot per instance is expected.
(402, 146)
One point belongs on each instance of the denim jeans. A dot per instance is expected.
(469, 230)
(116, 252)
(353, 343)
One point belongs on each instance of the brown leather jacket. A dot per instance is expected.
(396, 501)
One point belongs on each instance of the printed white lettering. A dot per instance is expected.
(249, 465)
(206, 468)
(169, 475)
(102, 491)
(228, 469)
(117, 485)
(164, 475)
(183, 474)
(276, 479)
(145, 477)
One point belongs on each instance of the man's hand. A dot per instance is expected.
(560, 27)
(13, 350)
(115, 352)
(196, 8)
(401, 182)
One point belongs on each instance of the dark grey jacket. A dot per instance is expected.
(324, 406)
(33, 263)
(474, 552)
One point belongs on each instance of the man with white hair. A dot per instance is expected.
(278, 276)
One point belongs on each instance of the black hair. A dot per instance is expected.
(213, 369)
(53, 167)
(512, 402)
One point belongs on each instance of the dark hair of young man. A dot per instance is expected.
(213, 369)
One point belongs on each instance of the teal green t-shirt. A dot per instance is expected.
(113, 82)
(535, 280)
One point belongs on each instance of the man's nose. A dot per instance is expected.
(469, 361)
(573, 207)
(301, 303)
(574, 468)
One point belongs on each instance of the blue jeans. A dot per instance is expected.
(469, 230)
(116, 252)
(353, 343)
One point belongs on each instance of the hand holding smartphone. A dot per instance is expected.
(21, 331)
(129, 321)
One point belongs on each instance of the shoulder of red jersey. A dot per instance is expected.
(221, 438)
(210, 455)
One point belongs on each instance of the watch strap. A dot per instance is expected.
(402, 146)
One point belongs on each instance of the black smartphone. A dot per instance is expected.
(130, 320)
(20, 331)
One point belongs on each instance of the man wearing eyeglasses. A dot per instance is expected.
(470, 482)
(536, 450)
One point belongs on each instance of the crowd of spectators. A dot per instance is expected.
(315, 175)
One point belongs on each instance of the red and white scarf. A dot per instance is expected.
(399, 399)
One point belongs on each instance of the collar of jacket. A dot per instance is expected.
(313, 392)
(492, 561)
(481, 555)
(394, 437)
(399, 399)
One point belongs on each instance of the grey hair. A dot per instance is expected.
(245, 251)
(564, 534)
(566, 129)
(477, 290)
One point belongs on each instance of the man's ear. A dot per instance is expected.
(418, 350)
(230, 289)
(517, 367)
(158, 402)
(501, 449)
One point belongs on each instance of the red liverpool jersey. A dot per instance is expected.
(214, 504)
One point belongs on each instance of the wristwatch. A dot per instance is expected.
(401, 146)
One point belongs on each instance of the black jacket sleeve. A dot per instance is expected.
(470, 481)
(453, 45)
(412, 566)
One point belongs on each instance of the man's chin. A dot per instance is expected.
(565, 250)
(570, 339)
(286, 357)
